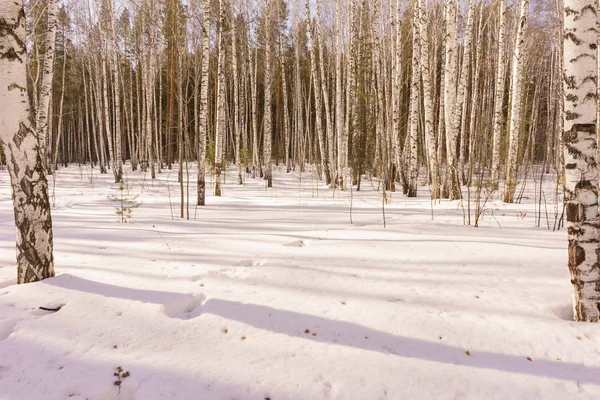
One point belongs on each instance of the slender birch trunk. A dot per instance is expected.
(452, 186)
(499, 94)
(342, 138)
(24, 155)
(427, 103)
(220, 127)
(325, 160)
(286, 121)
(236, 95)
(202, 124)
(42, 111)
(268, 131)
(515, 110)
(413, 167)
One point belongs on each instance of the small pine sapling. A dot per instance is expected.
(127, 203)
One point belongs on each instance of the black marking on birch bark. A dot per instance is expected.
(570, 115)
(571, 97)
(570, 82)
(569, 11)
(587, 7)
(582, 55)
(576, 255)
(573, 38)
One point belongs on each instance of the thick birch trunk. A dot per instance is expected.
(23, 153)
(581, 175)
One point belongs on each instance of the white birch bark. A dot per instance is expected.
(24, 156)
(413, 123)
(201, 200)
(45, 95)
(286, 121)
(499, 94)
(581, 175)
(220, 127)
(427, 103)
(325, 160)
(268, 123)
(452, 188)
(236, 104)
(515, 110)
(339, 110)
(325, 89)
(460, 106)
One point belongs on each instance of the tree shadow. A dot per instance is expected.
(324, 330)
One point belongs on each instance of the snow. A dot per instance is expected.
(274, 293)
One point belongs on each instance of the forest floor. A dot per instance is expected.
(275, 294)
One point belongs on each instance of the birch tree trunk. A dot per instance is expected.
(413, 167)
(118, 170)
(452, 187)
(434, 167)
(499, 94)
(203, 103)
(325, 89)
(286, 119)
(325, 160)
(23, 152)
(342, 137)
(460, 106)
(515, 110)
(45, 94)
(220, 128)
(236, 105)
(581, 175)
(268, 131)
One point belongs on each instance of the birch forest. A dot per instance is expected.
(310, 199)
(438, 94)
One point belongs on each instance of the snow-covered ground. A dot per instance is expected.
(275, 294)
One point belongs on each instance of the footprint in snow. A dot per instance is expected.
(185, 307)
(296, 243)
(251, 263)
(7, 328)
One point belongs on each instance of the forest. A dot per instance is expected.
(364, 199)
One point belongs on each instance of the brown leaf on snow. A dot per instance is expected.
(468, 352)
(307, 331)
(225, 330)
(578, 337)
(343, 302)
(243, 337)
(529, 358)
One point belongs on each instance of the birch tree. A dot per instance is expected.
(581, 174)
(499, 93)
(220, 127)
(45, 93)
(515, 108)
(202, 125)
(21, 144)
